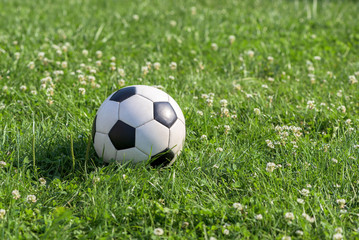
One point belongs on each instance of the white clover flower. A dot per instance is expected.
(304, 192)
(200, 113)
(227, 128)
(250, 53)
(223, 102)
(224, 111)
(308, 218)
(289, 216)
(82, 91)
(31, 65)
(352, 79)
(226, 232)
(2, 213)
(121, 82)
(214, 46)
(348, 121)
(265, 86)
(193, 10)
(85, 52)
(231, 39)
(205, 96)
(270, 58)
(173, 23)
(2, 164)
(212, 238)
(270, 79)
(204, 137)
(98, 54)
(64, 64)
(98, 63)
(219, 149)
(64, 48)
(257, 111)
(173, 66)
(58, 72)
(16, 194)
(156, 65)
(317, 58)
(334, 160)
(310, 104)
(31, 198)
(91, 78)
(23, 88)
(258, 217)
(238, 206)
(342, 109)
(17, 55)
(341, 203)
(149, 65)
(158, 231)
(41, 55)
(270, 167)
(270, 143)
(144, 70)
(338, 236)
(286, 238)
(135, 17)
(42, 181)
(299, 232)
(96, 180)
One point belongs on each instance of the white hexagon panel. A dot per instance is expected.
(152, 138)
(104, 147)
(107, 116)
(152, 93)
(138, 123)
(136, 110)
(177, 136)
(132, 154)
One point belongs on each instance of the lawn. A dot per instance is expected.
(269, 91)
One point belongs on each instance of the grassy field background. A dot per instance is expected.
(269, 91)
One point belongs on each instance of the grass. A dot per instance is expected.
(285, 53)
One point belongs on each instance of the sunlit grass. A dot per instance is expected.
(270, 95)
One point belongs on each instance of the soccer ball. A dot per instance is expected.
(138, 123)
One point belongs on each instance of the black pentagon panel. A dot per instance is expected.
(164, 113)
(94, 129)
(122, 135)
(163, 158)
(123, 94)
